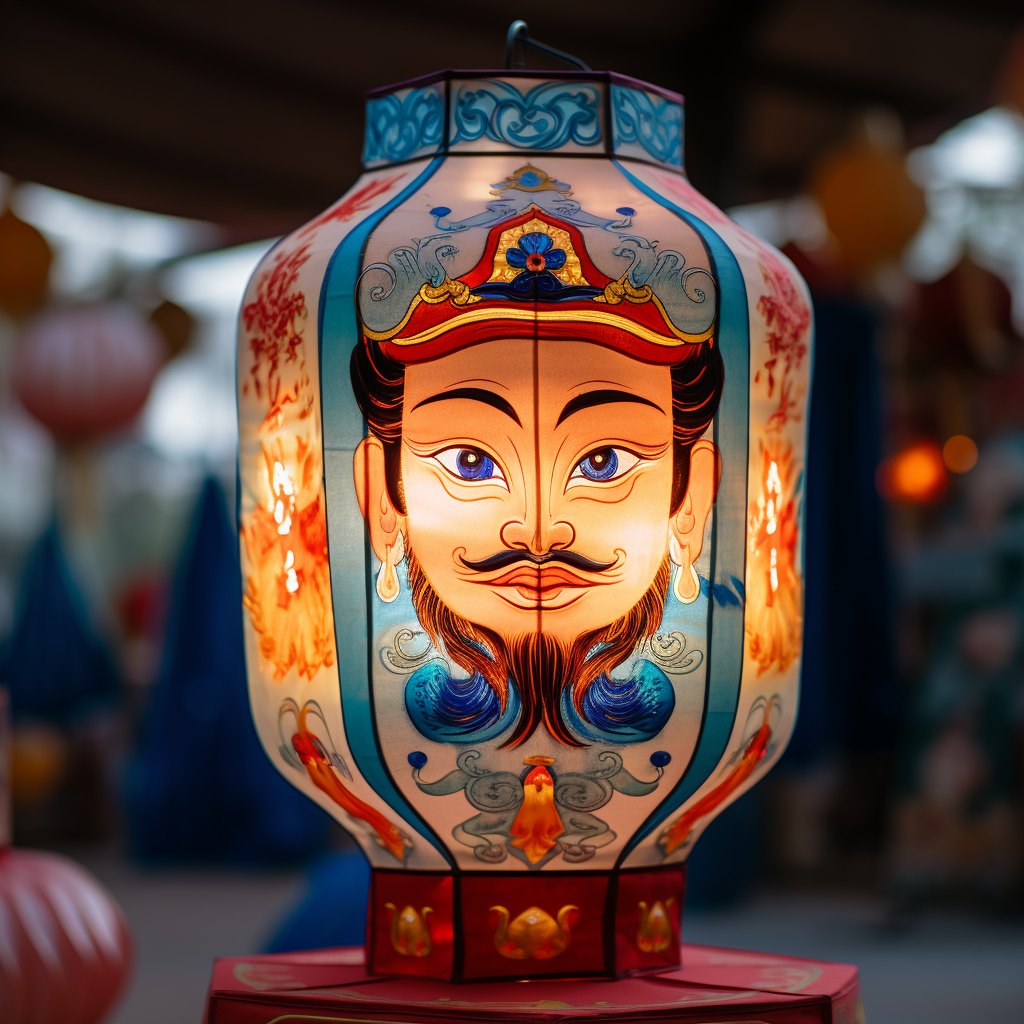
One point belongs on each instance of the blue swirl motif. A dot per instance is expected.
(449, 710)
(628, 711)
(546, 117)
(650, 121)
(398, 127)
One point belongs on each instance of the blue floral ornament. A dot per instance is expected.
(535, 254)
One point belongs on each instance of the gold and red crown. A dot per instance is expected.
(535, 279)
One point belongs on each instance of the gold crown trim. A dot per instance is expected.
(552, 316)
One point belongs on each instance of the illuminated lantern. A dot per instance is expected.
(522, 443)
(85, 370)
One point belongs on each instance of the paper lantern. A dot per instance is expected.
(871, 206)
(65, 948)
(522, 441)
(86, 370)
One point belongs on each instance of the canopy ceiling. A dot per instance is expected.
(250, 113)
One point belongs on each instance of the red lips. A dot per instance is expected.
(541, 579)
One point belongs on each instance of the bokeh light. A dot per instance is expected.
(959, 454)
(916, 474)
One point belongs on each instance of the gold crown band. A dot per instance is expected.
(552, 316)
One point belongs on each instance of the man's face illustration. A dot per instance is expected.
(537, 479)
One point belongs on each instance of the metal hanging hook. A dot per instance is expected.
(518, 32)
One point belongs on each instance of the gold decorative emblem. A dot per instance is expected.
(617, 291)
(409, 933)
(569, 273)
(534, 934)
(530, 179)
(451, 288)
(655, 932)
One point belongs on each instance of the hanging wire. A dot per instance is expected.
(519, 33)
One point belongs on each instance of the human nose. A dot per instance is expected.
(538, 530)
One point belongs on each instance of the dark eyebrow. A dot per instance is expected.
(474, 395)
(605, 397)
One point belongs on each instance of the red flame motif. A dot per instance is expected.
(322, 774)
(788, 320)
(288, 593)
(774, 620)
(353, 204)
(271, 321)
(680, 831)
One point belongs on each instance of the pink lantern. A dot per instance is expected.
(86, 370)
(65, 947)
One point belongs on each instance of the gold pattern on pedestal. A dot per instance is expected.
(534, 934)
(655, 931)
(409, 933)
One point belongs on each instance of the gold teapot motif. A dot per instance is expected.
(534, 934)
(655, 932)
(409, 933)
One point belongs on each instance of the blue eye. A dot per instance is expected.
(603, 465)
(470, 465)
(600, 465)
(474, 465)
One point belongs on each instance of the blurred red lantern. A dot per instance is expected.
(86, 370)
(65, 948)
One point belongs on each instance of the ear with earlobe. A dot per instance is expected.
(686, 527)
(384, 521)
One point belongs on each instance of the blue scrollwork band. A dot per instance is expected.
(404, 125)
(547, 117)
(646, 120)
(498, 114)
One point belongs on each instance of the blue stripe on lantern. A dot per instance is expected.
(343, 430)
(725, 651)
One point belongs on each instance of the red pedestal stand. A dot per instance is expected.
(713, 985)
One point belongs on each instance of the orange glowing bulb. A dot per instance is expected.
(915, 474)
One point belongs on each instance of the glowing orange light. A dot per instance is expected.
(916, 474)
(959, 454)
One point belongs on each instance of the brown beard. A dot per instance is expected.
(539, 665)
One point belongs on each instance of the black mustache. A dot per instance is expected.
(502, 559)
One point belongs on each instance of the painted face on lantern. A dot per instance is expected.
(537, 480)
(542, 482)
(536, 499)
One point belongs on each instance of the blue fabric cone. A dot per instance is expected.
(53, 663)
(333, 910)
(201, 787)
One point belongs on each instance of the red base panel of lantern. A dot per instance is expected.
(712, 985)
(486, 926)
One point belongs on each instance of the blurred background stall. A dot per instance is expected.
(149, 154)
